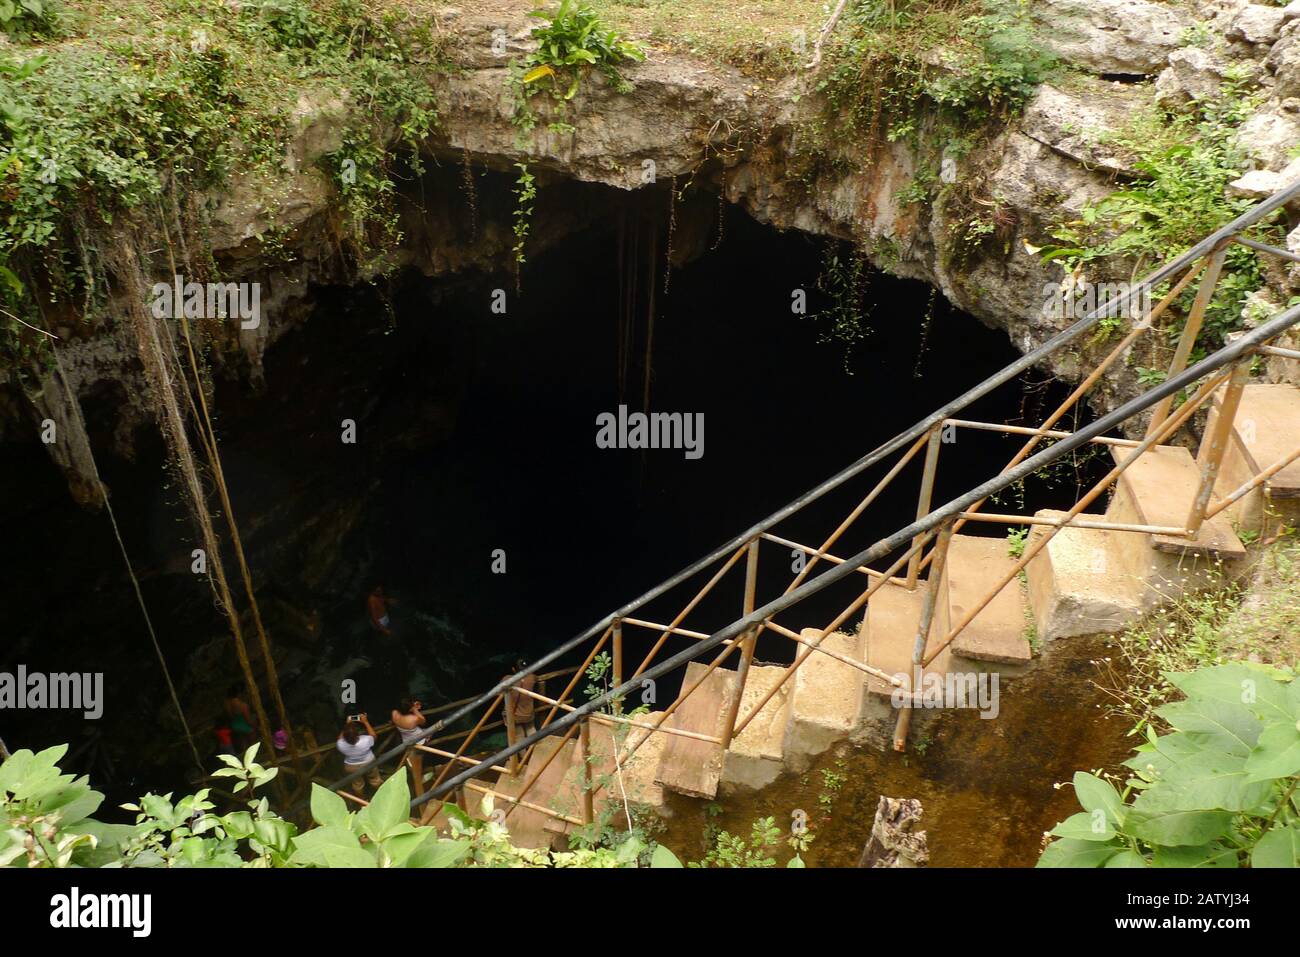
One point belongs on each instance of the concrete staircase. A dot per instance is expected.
(1085, 581)
(1266, 430)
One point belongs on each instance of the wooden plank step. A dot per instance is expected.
(1267, 429)
(997, 634)
(690, 766)
(1162, 485)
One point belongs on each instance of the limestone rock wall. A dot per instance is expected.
(691, 118)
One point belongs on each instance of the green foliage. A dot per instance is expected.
(94, 133)
(572, 41)
(45, 817)
(758, 851)
(1183, 636)
(833, 782)
(963, 61)
(1016, 539)
(598, 675)
(1218, 790)
(25, 20)
(844, 279)
(525, 194)
(43, 813)
(1185, 161)
(45, 822)
(734, 851)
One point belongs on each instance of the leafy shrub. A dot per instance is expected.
(94, 133)
(966, 61)
(29, 19)
(1185, 161)
(1218, 790)
(573, 41)
(45, 822)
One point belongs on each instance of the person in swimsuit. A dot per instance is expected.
(410, 723)
(358, 750)
(240, 717)
(377, 605)
(522, 707)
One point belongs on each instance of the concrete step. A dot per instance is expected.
(1159, 490)
(1266, 430)
(553, 789)
(690, 766)
(826, 698)
(1161, 486)
(1075, 587)
(757, 755)
(640, 770)
(632, 778)
(997, 634)
(889, 629)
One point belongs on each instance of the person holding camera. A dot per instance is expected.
(358, 750)
(410, 723)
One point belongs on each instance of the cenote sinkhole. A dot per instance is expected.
(476, 491)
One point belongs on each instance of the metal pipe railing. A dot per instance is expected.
(1167, 389)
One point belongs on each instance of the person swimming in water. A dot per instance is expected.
(377, 605)
(239, 716)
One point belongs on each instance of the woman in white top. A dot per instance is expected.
(358, 750)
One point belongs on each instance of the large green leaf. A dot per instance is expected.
(400, 845)
(75, 803)
(327, 807)
(1238, 684)
(111, 839)
(1068, 852)
(1280, 847)
(1086, 826)
(439, 854)
(13, 770)
(274, 832)
(1277, 752)
(1204, 855)
(662, 857)
(330, 847)
(1095, 794)
(387, 809)
(1155, 758)
(1127, 858)
(1153, 820)
(1231, 727)
(1211, 780)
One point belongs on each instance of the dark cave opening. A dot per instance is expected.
(476, 432)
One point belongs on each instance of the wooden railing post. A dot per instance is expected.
(747, 645)
(511, 733)
(584, 781)
(928, 605)
(1215, 443)
(923, 502)
(1191, 330)
(618, 660)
